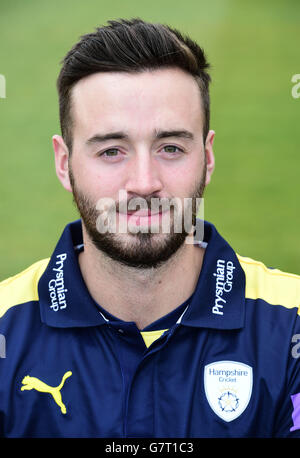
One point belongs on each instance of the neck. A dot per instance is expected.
(140, 295)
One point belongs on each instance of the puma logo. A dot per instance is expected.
(33, 383)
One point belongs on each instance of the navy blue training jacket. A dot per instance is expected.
(223, 364)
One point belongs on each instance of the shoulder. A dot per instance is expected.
(21, 288)
(271, 285)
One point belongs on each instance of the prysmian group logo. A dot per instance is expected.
(56, 285)
(224, 283)
(152, 215)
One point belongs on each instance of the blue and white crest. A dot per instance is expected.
(228, 388)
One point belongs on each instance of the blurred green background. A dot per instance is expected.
(254, 50)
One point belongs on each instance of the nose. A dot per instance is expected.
(144, 178)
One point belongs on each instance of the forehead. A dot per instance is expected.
(138, 102)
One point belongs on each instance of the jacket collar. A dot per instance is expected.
(219, 298)
(63, 296)
(218, 301)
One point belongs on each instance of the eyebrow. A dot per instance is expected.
(159, 134)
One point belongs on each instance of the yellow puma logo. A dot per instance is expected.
(33, 383)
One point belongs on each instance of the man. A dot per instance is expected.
(136, 332)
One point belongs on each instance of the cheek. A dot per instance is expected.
(95, 183)
(182, 181)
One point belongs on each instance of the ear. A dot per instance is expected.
(61, 161)
(210, 158)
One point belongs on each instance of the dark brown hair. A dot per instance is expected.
(130, 46)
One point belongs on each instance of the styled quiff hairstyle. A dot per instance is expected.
(131, 46)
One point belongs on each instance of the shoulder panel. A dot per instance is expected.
(22, 287)
(271, 285)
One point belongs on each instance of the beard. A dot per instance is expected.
(139, 250)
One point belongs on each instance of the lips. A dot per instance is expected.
(142, 213)
(142, 217)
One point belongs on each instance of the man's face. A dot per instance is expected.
(153, 149)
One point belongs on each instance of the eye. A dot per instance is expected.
(111, 155)
(112, 152)
(172, 149)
